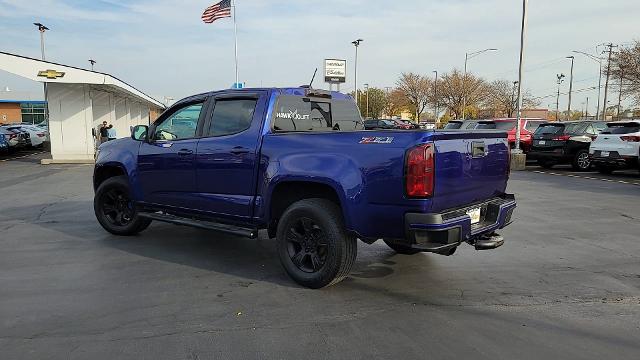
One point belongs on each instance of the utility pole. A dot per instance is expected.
(586, 110)
(620, 93)
(570, 87)
(560, 80)
(606, 84)
(92, 62)
(435, 96)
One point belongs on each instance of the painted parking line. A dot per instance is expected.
(22, 156)
(586, 177)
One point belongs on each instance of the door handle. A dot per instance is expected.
(239, 151)
(185, 152)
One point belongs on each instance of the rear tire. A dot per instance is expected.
(114, 208)
(581, 161)
(401, 249)
(313, 245)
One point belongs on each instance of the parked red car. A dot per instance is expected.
(402, 125)
(527, 128)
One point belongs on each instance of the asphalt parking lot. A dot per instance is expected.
(566, 284)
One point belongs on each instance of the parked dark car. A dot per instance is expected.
(379, 124)
(565, 143)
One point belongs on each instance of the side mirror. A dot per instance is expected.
(140, 132)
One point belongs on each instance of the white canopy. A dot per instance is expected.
(45, 71)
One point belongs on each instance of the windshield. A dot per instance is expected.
(622, 128)
(453, 125)
(505, 125)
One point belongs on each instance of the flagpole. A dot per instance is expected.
(235, 32)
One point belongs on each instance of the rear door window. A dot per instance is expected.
(231, 116)
(575, 128)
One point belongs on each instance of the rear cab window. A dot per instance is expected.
(622, 128)
(296, 113)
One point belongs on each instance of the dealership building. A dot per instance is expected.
(78, 100)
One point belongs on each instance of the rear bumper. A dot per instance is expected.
(620, 161)
(441, 232)
(556, 155)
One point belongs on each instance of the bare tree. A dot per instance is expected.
(503, 98)
(626, 66)
(416, 89)
(396, 102)
(453, 87)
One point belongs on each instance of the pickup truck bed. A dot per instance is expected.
(296, 162)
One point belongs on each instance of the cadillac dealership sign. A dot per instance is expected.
(335, 71)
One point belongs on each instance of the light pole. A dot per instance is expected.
(366, 88)
(435, 96)
(356, 43)
(599, 61)
(42, 29)
(513, 99)
(570, 87)
(560, 80)
(92, 62)
(523, 33)
(468, 56)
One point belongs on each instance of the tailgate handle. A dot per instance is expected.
(478, 149)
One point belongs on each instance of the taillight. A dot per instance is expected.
(631, 138)
(419, 171)
(561, 138)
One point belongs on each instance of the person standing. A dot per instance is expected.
(111, 133)
(104, 132)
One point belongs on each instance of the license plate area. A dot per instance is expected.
(542, 142)
(604, 153)
(474, 214)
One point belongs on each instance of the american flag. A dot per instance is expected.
(217, 11)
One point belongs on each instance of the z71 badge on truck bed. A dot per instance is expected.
(297, 162)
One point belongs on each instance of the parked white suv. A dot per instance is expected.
(617, 147)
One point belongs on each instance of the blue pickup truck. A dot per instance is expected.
(297, 162)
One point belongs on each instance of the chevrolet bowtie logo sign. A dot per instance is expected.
(50, 74)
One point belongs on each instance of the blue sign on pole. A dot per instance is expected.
(237, 86)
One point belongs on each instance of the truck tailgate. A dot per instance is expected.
(469, 167)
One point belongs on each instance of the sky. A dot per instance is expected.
(163, 48)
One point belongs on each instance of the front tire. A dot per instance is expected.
(313, 245)
(581, 161)
(114, 208)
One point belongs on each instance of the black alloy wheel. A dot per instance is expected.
(307, 245)
(115, 209)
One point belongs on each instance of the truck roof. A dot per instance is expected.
(294, 91)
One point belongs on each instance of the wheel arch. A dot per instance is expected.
(105, 171)
(287, 192)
